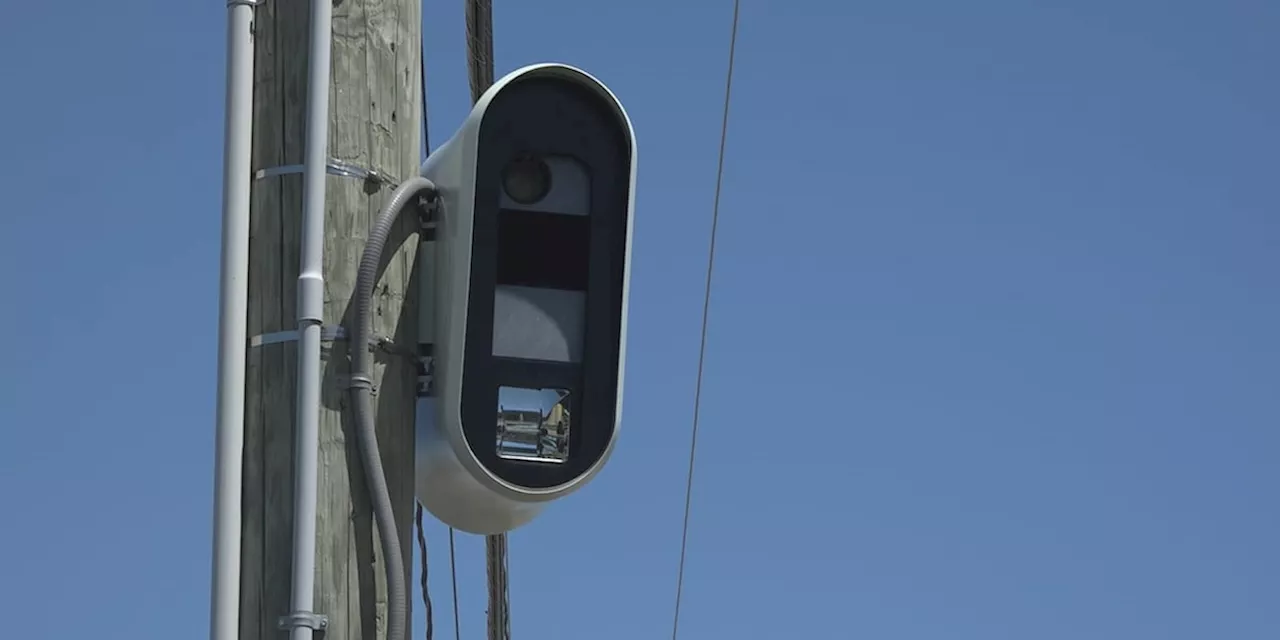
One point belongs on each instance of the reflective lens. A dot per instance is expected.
(526, 180)
(533, 424)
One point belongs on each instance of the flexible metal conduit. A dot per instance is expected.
(361, 397)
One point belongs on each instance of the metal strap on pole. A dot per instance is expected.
(332, 167)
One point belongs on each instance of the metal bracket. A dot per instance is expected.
(332, 167)
(247, 3)
(389, 346)
(426, 371)
(303, 619)
(428, 207)
(330, 333)
(427, 229)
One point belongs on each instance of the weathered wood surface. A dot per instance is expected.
(374, 123)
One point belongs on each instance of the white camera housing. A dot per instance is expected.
(527, 283)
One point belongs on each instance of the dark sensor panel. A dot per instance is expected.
(547, 250)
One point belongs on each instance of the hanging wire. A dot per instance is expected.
(426, 137)
(453, 573)
(706, 310)
(422, 535)
(422, 551)
(422, 538)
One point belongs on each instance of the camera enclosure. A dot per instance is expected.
(527, 283)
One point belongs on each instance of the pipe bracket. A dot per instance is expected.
(328, 333)
(297, 619)
(426, 370)
(361, 382)
(333, 333)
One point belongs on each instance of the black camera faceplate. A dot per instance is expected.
(549, 116)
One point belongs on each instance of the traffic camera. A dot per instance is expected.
(527, 278)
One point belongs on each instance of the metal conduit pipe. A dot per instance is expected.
(233, 305)
(310, 320)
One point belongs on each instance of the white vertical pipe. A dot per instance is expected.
(311, 316)
(233, 304)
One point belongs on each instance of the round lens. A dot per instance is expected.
(526, 180)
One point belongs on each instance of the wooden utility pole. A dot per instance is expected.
(374, 124)
(499, 618)
(479, 21)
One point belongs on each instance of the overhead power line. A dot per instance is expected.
(706, 310)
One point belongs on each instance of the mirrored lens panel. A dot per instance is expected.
(533, 424)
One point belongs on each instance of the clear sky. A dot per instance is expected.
(994, 343)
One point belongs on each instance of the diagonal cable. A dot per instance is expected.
(706, 311)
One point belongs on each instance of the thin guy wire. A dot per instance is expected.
(706, 311)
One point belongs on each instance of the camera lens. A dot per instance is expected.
(526, 179)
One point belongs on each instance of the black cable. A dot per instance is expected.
(453, 570)
(426, 138)
(422, 549)
(706, 310)
(422, 536)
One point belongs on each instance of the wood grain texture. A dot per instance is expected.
(374, 123)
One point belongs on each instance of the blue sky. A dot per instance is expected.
(993, 350)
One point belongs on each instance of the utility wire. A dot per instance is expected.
(479, 18)
(422, 551)
(453, 573)
(422, 538)
(706, 310)
(422, 534)
(426, 136)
